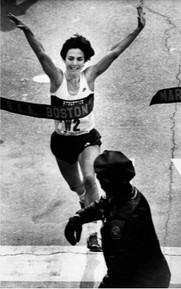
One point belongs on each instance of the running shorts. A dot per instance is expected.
(68, 148)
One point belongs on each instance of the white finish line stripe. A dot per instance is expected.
(50, 263)
(65, 264)
(177, 164)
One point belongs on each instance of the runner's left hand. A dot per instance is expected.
(141, 18)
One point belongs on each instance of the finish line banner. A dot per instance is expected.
(167, 95)
(65, 110)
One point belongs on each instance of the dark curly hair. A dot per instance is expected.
(77, 41)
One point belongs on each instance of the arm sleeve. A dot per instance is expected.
(91, 213)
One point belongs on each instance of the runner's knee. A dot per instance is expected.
(89, 181)
(79, 189)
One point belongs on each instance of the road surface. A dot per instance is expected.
(150, 135)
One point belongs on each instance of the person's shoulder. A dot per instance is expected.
(139, 195)
(89, 76)
(86, 71)
(142, 200)
(57, 81)
(89, 72)
(60, 72)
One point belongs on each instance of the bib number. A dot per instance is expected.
(72, 124)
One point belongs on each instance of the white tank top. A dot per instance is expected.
(74, 126)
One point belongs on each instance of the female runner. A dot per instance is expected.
(75, 141)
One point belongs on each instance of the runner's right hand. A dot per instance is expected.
(18, 23)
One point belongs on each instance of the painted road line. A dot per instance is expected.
(42, 78)
(65, 264)
(57, 263)
(177, 164)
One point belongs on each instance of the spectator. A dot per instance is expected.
(130, 245)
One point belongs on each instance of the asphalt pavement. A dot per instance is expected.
(150, 135)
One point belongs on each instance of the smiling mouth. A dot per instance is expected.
(74, 68)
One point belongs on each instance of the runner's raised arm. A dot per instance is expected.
(119, 47)
(46, 62)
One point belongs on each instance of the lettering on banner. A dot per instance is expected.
(59, 109)
(167, 95)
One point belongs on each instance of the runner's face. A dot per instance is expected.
(74, 60)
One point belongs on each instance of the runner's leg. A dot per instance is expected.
(71, 174)
(86, 160)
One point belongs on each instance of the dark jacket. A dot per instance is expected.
(130, 245)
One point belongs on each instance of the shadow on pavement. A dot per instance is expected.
(16, 9)
(90, 269)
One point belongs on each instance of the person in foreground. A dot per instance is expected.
(75, 142)
(129, 241)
